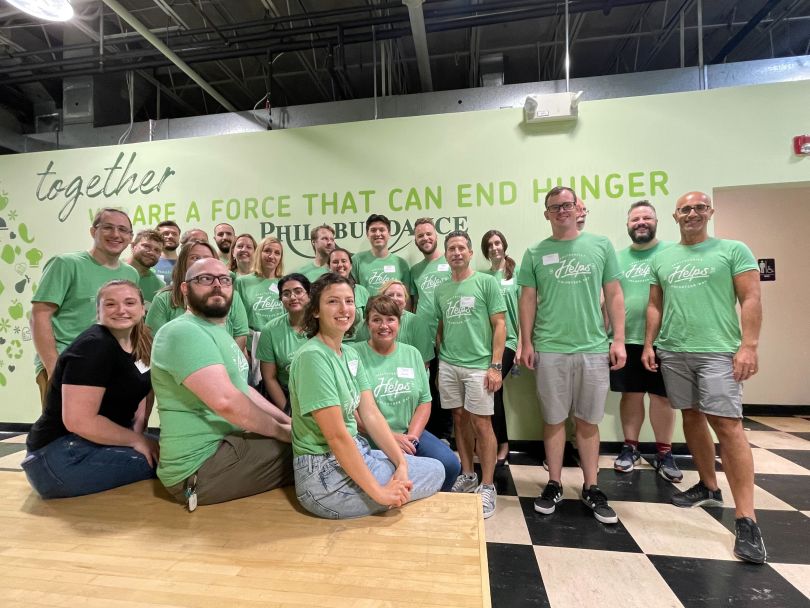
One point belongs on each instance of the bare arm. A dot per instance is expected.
(527, 309)
(271, 383)
(144, 411)
(494, 378)
(80, 405)
(262, 403)
(214, 388)
(42, 334)
(614, 304)
(655, 311)
(330, 420)
(747, 288)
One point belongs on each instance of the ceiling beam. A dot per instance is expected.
(746, 29)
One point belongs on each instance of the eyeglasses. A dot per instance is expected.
(567, 206)
(699, 208)
(111, 228)
(206, 280)
(297, 292)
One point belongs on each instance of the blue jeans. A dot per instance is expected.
(431, 447)
(72, 466)
(324, 489)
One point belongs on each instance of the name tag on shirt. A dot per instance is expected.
(467, 301)
(508, 281)
(443, 267)
(389, 268)
(551, 258)
(353, 366)
(405, 372)
(142, 367)
(274, 287)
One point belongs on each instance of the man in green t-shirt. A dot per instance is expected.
(64, 304)
(224, 236)
(471, 336)
(426, 276)
(146, 248)
(374, 267)
(633, 381)
(322, 239)
(705, 357)
(219, 438)
(564, 340)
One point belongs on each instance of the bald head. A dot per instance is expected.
(207, 266)
(693, 211)
(692, 198)
(212, 300)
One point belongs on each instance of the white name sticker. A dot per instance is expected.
(274, 287)
(405, 372)
(353, 366)
(443, 267)
(142, 367)
(389, 268)
(508, 281)
(551, 258)
(467, 301)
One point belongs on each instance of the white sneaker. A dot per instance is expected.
(488, 498)
(465, 483)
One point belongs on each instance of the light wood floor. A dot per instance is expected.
(133, 547)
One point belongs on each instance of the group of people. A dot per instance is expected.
(348, 377)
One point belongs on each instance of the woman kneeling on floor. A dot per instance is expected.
(337, 474)
(90, 436)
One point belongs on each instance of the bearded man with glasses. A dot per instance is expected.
(705, 356)
(64, 304)
(220, 439)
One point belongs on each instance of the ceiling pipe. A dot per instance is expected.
(746, 29)
(170, 55)
(420, 42)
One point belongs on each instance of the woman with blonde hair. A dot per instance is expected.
(242, 252)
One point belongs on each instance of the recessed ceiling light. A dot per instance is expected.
(52, 10)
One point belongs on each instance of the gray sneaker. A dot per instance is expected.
(666, 467)
(488, 498)
(465, 483)
(697, 496)
(626, 459)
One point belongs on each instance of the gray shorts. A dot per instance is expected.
(702, 381)
(575, 383)
(464, 387)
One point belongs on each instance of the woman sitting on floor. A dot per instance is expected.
(337, 474)
(400, 386)
(90, 436)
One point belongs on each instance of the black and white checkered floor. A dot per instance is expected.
(657, 555)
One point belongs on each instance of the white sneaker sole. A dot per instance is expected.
(548, 511)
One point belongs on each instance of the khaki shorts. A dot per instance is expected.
(575, 383)
(702, 381)
(464, 387)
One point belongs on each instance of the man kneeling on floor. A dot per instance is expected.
(220, 439)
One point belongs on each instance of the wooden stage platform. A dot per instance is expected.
(133, 547)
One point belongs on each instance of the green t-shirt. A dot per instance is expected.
(399, 383)
(260, 298)
(161, 312)
(510, 290)
(568, 277)
(277, 344)
(190, 431)
(361, 297)
(412, 331)
(340, 380)
(465, 308)
(425, 278)
(312, 272)
(700, 304)
(150, 284)
(372, 272)
(71, 281)
(634, 265)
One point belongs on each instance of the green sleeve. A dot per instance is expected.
(526, 276)
(424, 396)
(171, 350)
(742, 259)
(405, 273)
(495, 301)
(159, 313)
(313, 396)
(56, 279)
(238, 318)
(612, 272)
(264, 351)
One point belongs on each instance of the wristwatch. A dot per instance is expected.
(496, 366)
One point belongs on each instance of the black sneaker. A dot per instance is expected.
(749, 546)
(697, 496)
(598, 502)
(547, 501)
(667, 468)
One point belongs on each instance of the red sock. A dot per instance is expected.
(663, 448)
(632, 442)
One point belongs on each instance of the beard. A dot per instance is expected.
(201, 305)
(171, 247)
(224, 248)
(428, 251)
(646, 238)
(147, 263)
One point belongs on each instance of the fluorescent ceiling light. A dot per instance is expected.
(52, 10)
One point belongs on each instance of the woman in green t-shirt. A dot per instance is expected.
(504, 269)
(411, 330)
(242, 252)
(337, 474)
(340, 262)
(282, 337)
(400, 386)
